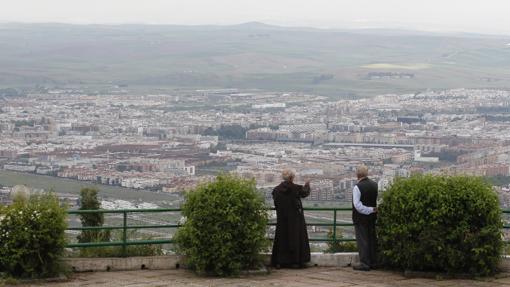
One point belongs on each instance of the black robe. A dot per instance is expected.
(290, 246)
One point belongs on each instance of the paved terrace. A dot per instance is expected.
(316, 276)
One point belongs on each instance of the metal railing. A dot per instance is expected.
(125, 227)
(124, 242)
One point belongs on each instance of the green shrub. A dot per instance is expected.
(117, 251)
(32, 237)
(340, 246)
(225, 226)
(439, 223)
(89, 201)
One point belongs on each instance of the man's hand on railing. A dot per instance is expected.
(375, 209)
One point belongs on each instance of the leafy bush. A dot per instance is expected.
(340, 246)
(225, 226)
(117, 251)
(32, 237)
(440, 223)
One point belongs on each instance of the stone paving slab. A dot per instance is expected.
(316, 276)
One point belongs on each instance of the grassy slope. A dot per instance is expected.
(61, 185)
(249, 56)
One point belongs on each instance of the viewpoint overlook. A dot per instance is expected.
(173, 143)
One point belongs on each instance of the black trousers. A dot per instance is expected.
(367, 244)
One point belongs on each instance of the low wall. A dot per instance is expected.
(123, 263)
(505, 263)
(175, 261)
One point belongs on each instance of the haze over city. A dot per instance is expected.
(473, 16)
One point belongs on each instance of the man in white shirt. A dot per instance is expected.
(364, 216)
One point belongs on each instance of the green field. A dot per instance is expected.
(145, 58)
(61, 185)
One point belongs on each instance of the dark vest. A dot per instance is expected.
(368, 189)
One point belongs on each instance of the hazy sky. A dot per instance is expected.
(485, 16)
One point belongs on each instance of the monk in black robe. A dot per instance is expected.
(290, 247)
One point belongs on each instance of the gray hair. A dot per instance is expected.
(362, 171)
(288, 175)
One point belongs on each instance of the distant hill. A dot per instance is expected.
(338, 63)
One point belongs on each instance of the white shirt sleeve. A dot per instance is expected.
(356, 194)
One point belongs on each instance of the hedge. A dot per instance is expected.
(440, 223)
(32, 237)
(225, 226)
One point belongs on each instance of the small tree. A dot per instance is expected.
(225, 226)
(89, 201)
(441, 223)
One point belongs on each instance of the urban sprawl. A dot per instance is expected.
(171, 142)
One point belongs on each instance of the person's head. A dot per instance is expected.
(288, 175)
(361, 171)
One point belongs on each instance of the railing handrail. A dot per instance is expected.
(124, 227)
(149, 210)
(155, 210)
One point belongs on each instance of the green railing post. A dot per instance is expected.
(334, 226)
(124, 234)
(124, 243)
